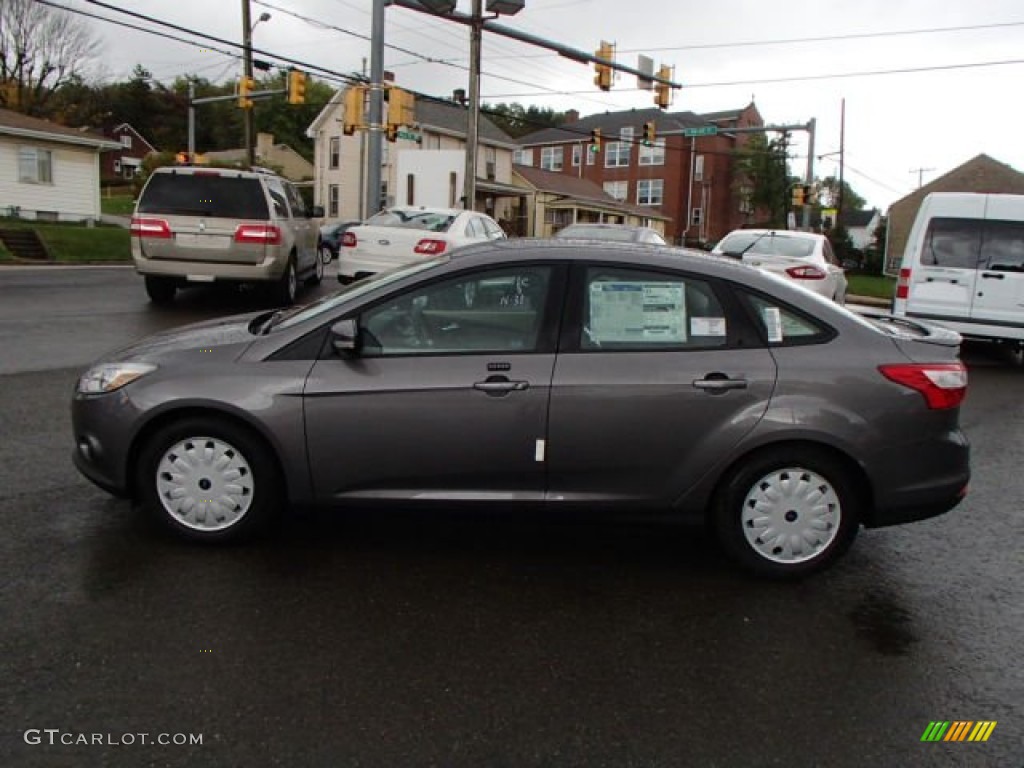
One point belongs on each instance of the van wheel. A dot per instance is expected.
(160, 290)
(787, 513)
(288, 285)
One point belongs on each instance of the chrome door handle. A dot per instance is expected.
(719, 385)
(499, 386)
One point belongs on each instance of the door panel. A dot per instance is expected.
(999, 291)
(943, 283)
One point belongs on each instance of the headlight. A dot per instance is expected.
(111, 376)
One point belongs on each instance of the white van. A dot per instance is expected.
(963, 266)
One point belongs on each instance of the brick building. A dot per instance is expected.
(688, 180)
(124, 163)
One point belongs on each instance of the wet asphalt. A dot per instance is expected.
(403, 639)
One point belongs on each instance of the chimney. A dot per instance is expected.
(571, 116)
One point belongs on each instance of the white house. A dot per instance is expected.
(426, 170)
(49, 171)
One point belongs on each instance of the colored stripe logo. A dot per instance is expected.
(958, 730)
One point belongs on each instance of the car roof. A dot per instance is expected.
(206, 170)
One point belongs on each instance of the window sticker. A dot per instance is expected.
(773, 323)
(707, 326)
(637, 311)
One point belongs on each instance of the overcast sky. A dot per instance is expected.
(724, 53)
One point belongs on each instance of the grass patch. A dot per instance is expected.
(76, 243)
(118, 205)
(878, 286)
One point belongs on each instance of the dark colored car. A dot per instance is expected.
(329, 242)
(546, 374)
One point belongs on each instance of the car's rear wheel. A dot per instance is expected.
(208, 480)
(318, 272)
(161, 290)
(288, 285)
(326, 254)
(787, 512)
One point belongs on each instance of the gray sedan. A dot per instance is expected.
(543, 374)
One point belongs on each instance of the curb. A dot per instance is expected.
(869, 301)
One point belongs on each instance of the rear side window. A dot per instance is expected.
(186, 194)
(1003, 247)
(954, 243)
(784, 326)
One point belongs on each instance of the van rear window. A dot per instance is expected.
(186, 194)
(952, 243)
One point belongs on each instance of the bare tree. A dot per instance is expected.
(41, 48)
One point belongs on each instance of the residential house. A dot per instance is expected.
(125, 162)
(980, 174)
(425, 166)
(556, 200)
(861, 226)
(49, 171)
(280, 157)
(685, 174)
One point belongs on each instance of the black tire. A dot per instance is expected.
(287, 287)
(326, 254)
(816, 521)
(250, 478)
(161, 290)
(318, 271)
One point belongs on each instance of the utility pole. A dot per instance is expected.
(806, 216)
(250, 155)
(920, 174)
(473, 125)
(842, 151)
(376, 116)
(191, 120)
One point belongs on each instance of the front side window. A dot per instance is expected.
(627, 309)
(551, 158)
(650, 191)
(35, 165)
(334, 160)
(499, 310)
(952, 243)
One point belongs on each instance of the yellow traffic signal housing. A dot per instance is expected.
(246, 85)
(662, 92)
(595, 140)
(355, 101)
(296, 86)
(401, 111)
(649, 132)
(603, 78)
(798, 196)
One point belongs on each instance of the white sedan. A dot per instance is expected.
(404, 234)
(803, 257)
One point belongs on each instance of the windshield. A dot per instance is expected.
(354, 291)
(434, 221)
(769, 244)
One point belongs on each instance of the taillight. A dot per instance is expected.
(805, 273)
(944, 385)
(430, 247)
(264, 234)
(903, 284)
(145, 227)
(349, 240)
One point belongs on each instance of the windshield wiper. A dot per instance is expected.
(751, 244)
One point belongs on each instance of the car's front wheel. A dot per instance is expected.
(208, 480)
(787, 512)
(326, 254)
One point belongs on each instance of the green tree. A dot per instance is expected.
(763, 180)
(829, 195)
(517, 120)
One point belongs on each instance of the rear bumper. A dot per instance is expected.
(353, 264)
(269, 270)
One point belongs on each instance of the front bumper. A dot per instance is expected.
(101, 426)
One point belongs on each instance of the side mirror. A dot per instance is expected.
(345, 337)
(316, 212)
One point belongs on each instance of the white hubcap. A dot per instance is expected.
(204, 483)
(791, 515)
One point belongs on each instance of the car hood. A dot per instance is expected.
(224, 337)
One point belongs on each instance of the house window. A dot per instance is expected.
(696, 217)
(650, 191)
(577, 152)
(616, 153)
(335, 153)
(333, 200)
(591, 155)
(617, 189)
(698, 168)
(126, 140)
(35, 165)
(117, 166)
(551, 158)
(654, 154)
(523, 157)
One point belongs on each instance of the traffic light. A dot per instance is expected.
(603, 78)
(595, 140)
(649, 133)
(401, 106)
(245, 89)
(181, 158)
(811, 194)
(296, 86)
(354, 118)
(798, 195)
(662, 92)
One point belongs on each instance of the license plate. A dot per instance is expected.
(202, 241)
(199, 278)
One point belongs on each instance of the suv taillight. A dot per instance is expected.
(944, 385)
(349, 240)
(805, 273)
(903, 285)
(145, 227)
(264, 234)
(430, 247)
